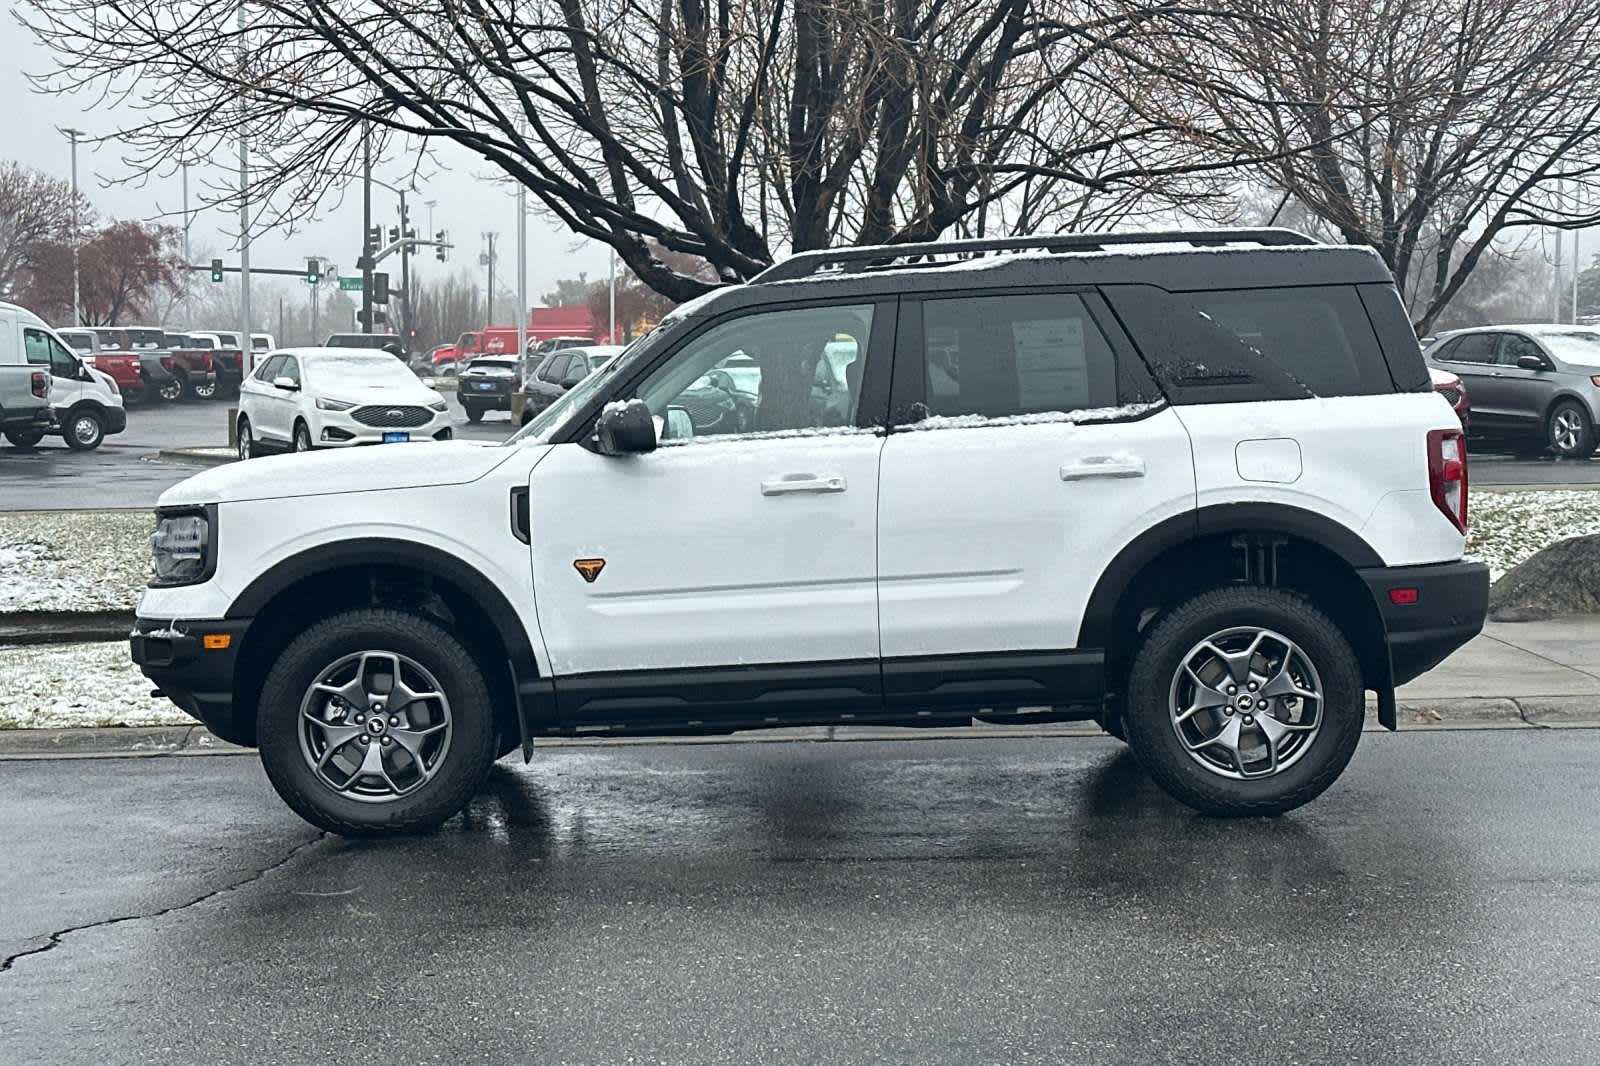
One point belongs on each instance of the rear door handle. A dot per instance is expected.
(1102, 466)
(792, 483)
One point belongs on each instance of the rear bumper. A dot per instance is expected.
(1450, 605)
(34, 418)
(198, 679)
(496, 400)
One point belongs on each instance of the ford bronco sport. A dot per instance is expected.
(1194, 486)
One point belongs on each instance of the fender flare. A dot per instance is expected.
(1099, 614)
(383, 551)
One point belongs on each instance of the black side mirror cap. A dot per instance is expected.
(1532, 362)
(626, 429)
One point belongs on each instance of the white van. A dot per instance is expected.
(86, 402)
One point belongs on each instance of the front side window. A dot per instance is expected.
(805, 366)
(290, 369)
(1000, 356)
(1515, 346)
(44, 350)
(269, 369)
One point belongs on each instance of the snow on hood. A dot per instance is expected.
(381, 466)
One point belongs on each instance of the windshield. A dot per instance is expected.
(546, 422)
(361, 369)
(1579, 346)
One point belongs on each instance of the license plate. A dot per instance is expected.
(483, 386)
(396, 437)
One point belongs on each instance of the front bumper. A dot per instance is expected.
(197, 678)
(1449, 602)
(115, 419)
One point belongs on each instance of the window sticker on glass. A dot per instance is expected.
(1052, 366)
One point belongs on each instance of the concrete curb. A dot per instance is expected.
(195, 455)
(1530, 712)
(64, 627)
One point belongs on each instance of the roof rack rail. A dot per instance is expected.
(878, 256)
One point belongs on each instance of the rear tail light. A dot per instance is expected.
(166, 361)
(39, 382)
(1447, 474)
(205, 360)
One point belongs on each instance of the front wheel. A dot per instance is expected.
(84, 431)
(1245, 701)
(302, 437)
(1570, 431)
(376, 722)
(247, 440)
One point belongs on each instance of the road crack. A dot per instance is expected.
(53, 940)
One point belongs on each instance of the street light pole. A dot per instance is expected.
(77, 299)
(522, 271)
(366, 229)
(405, 273)
(611, 337)
(247, 350)
(489, 310)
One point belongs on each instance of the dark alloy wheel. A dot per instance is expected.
(1570, 431)
(247, 441)
(83, 430)
(302, 437)
(376, 721)
(1245, 701)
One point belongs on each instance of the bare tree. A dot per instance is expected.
(1437, 130)
(35, 213)
(126, 269)
(721, 131)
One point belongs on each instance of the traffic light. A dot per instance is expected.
(378, 317)
(394, 234)
(313, 271)
(380, 288)
(439, 250)
(216, 270)
(374, 238)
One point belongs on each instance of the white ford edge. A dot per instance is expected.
(304, 398)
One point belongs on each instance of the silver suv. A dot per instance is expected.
(1530, 385)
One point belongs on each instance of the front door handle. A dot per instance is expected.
(791, 483)
(1102, 466)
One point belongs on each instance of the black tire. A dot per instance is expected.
(1155, 741)
(1569, 430)
(474, 412)
(170, 391)
(302, 438)
(463, 767)
(83, 429)
(26, 439)
(508, 744)
(247, 440)
(194, 390)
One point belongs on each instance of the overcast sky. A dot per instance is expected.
(466, 203)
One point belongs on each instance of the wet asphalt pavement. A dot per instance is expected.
(1007, 900)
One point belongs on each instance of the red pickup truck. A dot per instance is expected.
(170, 372)
(122, 366)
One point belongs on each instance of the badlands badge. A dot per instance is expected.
(589, 568)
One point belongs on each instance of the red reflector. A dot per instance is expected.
(1402, 597)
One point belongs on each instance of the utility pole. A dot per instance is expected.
(522, 271)
(77, 299)
(405, 273)
(366, 230)
(611, 337)
(186, 213)
(1575, 267)
(247, 354)
(315, 289)
(488, 318)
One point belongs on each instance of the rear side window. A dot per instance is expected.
(999, 356)
(1473, 348)
(1319, 335)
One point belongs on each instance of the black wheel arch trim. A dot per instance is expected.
(366, 551)
(1099, 616)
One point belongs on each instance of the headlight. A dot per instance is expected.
(181, 549)
(333, 405)
(438, 405)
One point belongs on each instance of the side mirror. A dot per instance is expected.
(287, 384)
(626, 429)
(572, 378)
(679, 425)
(1532, 362)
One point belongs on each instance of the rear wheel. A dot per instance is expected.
(375, 722)
(1570, 430)
(474, 412)
(24, 438)
(202, 390)
(83, 430)
(1245, 701)
(171, 391)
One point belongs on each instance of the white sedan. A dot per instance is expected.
(304, 398)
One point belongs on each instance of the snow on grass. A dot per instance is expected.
(64, 685)
(73, 561)
(1508, 527)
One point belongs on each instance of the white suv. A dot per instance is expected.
(1194, 486)
(304, 398)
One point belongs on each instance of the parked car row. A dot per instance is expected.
(150, 364)
(1533, 388)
